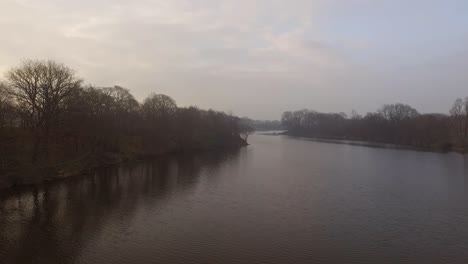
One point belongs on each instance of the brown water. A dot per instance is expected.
(280, 200)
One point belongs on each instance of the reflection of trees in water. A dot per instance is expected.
(52, 224)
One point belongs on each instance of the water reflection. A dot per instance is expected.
(54, 223)
(280, 200)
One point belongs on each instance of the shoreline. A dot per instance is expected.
(31, 176)
(374, 144)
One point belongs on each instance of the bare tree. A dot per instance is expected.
(245, 128)
(397, 112)
(465, 131)
(159, 106)
(457, 112)
(245, 131)
(48, 118)
(40, 87)
(122, 98)
(7, 107)
(355, 115)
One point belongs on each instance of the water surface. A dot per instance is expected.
(280, 200)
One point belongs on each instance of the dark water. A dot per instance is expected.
(280, 200)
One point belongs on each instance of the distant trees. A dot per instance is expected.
(294, 120)
(459, 113)
(52, 118)
(262, 125)
(397, 112)
(306, 121)
(392, 123)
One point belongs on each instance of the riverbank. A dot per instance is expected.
(435, 148)
(30, 175)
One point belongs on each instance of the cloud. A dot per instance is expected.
(216, 53)
(212, 34)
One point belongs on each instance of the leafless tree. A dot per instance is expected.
(457, 112)
(397, 112)
(45, 110)
(122, 99)
(245, 131)
(40, 88)
(465, 131)
(7, 107)
(159, 106)
(355, 115)
(392, 123)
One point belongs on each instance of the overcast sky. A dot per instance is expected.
(253, 58)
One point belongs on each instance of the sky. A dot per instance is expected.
(254, 58)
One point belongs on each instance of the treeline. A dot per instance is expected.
(262, 125)
(398, 124)
(48, 118)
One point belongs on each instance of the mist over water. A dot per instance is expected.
(279, 200)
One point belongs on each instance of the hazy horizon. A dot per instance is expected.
(253, 58)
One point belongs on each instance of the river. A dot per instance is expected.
(279, 200)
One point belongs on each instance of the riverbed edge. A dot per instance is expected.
(28, 176)
(373, 144)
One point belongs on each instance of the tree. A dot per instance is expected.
(457, 108)
(40, 88)
(293, 121)
(457, 112)
(123, 100)
(48, 118)
(245, 129)
(392, 123)
(159, 112)
(7, 122)
(159, 106)
(397, 112)
(355, 115)
(7, 107)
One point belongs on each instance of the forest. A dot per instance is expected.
(53, 124)
(398, 124)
